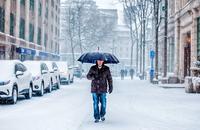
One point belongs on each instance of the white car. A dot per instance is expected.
(66, 73)
(40, 76)
(54, 74)
(15, 80)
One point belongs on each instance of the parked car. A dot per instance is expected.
(77, 72)
(54, 74)
(15, 80)
(40, 76)
(66, 73)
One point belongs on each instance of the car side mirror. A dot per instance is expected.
(19, 73)
(44, 71)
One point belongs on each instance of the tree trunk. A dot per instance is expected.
(132, 43)
(156, 13)
(165, 37)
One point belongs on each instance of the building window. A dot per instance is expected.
(31, 32)
(2, 19)
(12, 24)
(39, 36)
(40, 9)
(32, 5)
(22, 28)
(45, 40)
(22, 2)
(46, 11)
(52, 3)
(198, 38)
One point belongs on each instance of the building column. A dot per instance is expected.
(7, 17)
(17, 19)
(7, 27)
(36, 22)
(177, 46)
(194, 37)
(27, 6)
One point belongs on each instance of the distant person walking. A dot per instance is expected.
(122, 73)
(132, 72)
(101, 78)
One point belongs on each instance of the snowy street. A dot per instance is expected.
(132, 105)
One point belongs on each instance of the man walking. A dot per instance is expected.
(101, 78)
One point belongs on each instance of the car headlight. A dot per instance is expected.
(4, 82)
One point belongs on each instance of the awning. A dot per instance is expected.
(25, 51)
(43, 54)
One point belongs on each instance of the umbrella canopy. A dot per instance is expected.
(92, 57)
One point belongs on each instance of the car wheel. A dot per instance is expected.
(30, 93)
(50, 87)
(72, 80)
(68, 81)
(41, 93)
(14, 95)
(58, 84)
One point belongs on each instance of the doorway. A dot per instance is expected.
(187, 54)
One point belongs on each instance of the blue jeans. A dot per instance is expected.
(99, 112)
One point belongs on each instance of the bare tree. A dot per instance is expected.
(138, 11)
(84, 26)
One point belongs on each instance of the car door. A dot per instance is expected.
(45, 75)
(20, 78)
(27, 76)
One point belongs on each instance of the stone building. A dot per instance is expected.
(170, 36)
(187, 36)
(28, 27)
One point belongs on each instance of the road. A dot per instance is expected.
(134, 104)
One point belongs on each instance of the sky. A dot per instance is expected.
(110, 4)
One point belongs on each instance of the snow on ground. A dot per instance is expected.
(134, 104)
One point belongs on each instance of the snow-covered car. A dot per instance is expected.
(65, 75)
(15, 80)
(54, 74)
(40, 76)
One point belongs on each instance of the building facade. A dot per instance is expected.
(28, 27)
(170, 37)
(187, 36)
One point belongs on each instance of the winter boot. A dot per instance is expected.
(96, 121)
(103, 118)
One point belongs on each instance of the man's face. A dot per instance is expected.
(100, 62)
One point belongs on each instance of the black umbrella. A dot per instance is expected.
(92, 57)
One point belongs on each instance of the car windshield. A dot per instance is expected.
(49, 65)
(7, 69)
(62, 66)
(33, 67)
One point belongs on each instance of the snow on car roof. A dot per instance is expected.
(7, 67)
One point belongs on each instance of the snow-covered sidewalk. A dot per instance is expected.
(133, 105)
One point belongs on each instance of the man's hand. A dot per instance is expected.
(110, 90)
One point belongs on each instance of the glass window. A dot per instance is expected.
(22, 2)
(2, 19)
(52, 3)
(22, 28)
(12, 24)
(40, 9)
(45, 40)
(32, 5)
(39, 36)
(31, 32)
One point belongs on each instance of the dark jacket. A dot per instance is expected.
(101, 78)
